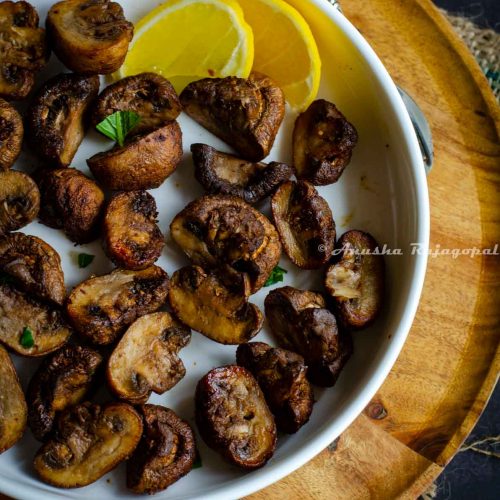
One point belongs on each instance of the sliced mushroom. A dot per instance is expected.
(149, 95)
(61, 381)
(220, 173)
(282, 376)
(146, 358)
(132, 238)
(246, 114)
(233, 418)
(300, 322)
(216, 307)
(356, 282)
(323, 141)
(89, 37)
(102, 307)
(305, 224)
(19, 200)
(20, 313)
(34, 265)
(166, 452)
(56, 119)
(90, 441)
(11, 133)
(225, 232)
(144, 162)
(13, 407)
(71, 202)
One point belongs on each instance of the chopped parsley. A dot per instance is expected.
(276, 276)
(118, 125)
(197, 462)
(27, 339)
(85, 259)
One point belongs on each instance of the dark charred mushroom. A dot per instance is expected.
(300, 322)
(131, 236)
(146, 358)
(356, 282)
(89, 442)
(323, 141)
(165, 453)
(101, 308)
(61, 381)
(89, 37)
(244, 113)
(282, 376)
(11, 133)
(56, 119)
(233, 418)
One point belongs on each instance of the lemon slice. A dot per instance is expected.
(285, 49)
(185, 40)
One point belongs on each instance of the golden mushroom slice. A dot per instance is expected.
(89, 37)
(11, 135)
(146, 358)
(13, 407)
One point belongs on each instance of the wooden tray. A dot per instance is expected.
(450, 363)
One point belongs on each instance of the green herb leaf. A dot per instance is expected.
(277, 275)
(27, 339)
(197, 462)
(85, 259)
(118, 125)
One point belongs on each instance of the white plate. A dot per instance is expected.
(383, 191)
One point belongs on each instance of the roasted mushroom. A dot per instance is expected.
(233, 418)
(215, 306)
(30, 327)
(56, 119)
(90, 440)
(244, 113)
(34, 265)
(146, 358)
(102, 307)
(89, 36)
(225, 232)
(323, 141)
(12, 404)
(61, 381)
(19, 200)
(356, 282)
(282, 376)
(166, 452)
(131, 236)
(220, 173)
(144, 162)
(300, 322)
(149, 95)
(71, 202)
(23, 51)
(11, 133)
(305, 224)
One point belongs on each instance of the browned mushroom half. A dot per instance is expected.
(34, 265)
(300, 322)
(19, 200)
(214, 305)
(144, 162)
(12, 404)
(245, 113)
(282, 376)
(225, 232)
(147, 358)
(149, 95)
(221, 173)
(166, 452)
(89, 441)
(233, 418)
(56, 119)
(24, 49)
(102, 307)
(131, 236)
(71, 202)
(61, 381)
(323, 141)
(356, 281)
(305, 224)
(29, 327)
(11, 134)
(89, 37)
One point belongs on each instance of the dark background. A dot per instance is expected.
(485, 13)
